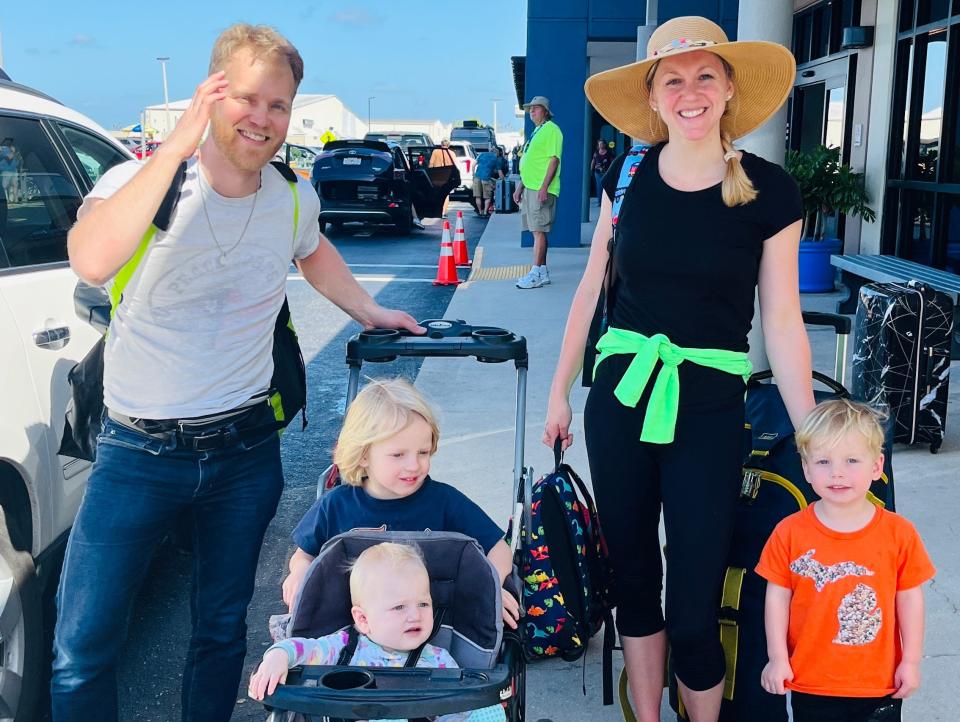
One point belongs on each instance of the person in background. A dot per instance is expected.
(485, 173)
(539, 187)
(599, 165)
(9, 170)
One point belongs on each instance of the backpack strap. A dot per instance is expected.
(161, 221)
(346, 654)
(628, 170)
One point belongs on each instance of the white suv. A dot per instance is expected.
(50, 157)
(466, 159)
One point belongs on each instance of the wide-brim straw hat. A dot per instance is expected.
(763, 75)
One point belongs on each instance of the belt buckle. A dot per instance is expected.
(212, 440)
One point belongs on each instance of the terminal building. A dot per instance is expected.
(871, 80)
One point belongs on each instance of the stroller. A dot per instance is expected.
(464, 586)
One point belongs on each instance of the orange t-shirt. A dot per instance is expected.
(843, 636)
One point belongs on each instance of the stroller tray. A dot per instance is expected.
(380, 692)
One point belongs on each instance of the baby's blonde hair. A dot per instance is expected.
(369, 565)
(382, 409)
(262, 41)
(831, 420)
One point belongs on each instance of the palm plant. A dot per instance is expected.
(827, 187)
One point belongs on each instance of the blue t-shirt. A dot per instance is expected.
(487, 165)
(435, 506)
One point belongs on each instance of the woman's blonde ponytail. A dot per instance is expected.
(737, 187)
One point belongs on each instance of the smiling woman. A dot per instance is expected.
(699, 227)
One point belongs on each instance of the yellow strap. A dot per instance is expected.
(729, 631)
(126, 271)
(625, 708)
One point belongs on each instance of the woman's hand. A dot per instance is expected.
(271, 672)
(559, 416)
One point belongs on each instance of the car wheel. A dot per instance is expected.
(21, 632)
(405, 222)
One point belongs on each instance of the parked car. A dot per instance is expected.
(404, 140)
(481, 137)
(298, 157)
(466, 157)
(62, 154)
(373, 182)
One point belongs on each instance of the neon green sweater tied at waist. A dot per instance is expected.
(660, 421)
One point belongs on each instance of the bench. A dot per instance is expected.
(857, 270)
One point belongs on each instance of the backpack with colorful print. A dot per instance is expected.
(566, 582)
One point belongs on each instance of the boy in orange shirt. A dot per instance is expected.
(844, 606)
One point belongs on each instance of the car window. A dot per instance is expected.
(38, 201)
(301, 158)
(96, 155)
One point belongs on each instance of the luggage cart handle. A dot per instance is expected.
(488, 344)
(840, 324)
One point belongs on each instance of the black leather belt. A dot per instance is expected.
(203, 435)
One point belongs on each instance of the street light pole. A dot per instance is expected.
(166, 98)
(369, 99)
(495, 101)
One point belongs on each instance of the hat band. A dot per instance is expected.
(682, 44)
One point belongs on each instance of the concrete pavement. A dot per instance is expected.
(476, 454)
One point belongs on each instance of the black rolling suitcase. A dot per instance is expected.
(901, 361)
(503, 196)
(773, 487)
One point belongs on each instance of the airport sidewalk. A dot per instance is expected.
(476, 403)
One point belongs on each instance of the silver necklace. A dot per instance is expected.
(224, 251)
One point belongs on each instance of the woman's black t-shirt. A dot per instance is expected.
(687, 265)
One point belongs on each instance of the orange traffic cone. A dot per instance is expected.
(446, 268)
(461, 256)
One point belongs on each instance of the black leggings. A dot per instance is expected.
(696, 479)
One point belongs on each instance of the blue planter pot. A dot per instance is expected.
(816, 273)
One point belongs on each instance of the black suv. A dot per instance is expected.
(373, 182)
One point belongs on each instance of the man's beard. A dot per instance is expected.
(229, 143)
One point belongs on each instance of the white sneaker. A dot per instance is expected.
(544, 275)
(534, 279)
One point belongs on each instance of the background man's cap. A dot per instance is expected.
(538, 100)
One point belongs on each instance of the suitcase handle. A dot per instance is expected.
(840, 324)
(830, 383)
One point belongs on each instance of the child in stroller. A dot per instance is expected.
(383, 455)
(393, 619)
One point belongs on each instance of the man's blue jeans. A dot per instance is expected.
(138, 487)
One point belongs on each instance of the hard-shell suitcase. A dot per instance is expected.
(773, 487)
(901, 360)
(503, 196)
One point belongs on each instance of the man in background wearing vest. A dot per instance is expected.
(539, 187)
(188, 363)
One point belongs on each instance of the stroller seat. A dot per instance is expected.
(465, 589)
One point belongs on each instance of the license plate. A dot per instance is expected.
(351, 161)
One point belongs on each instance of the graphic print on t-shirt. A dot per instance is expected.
(858, 615)
(806, 566)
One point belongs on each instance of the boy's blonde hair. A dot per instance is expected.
(369, 565)
(382, 409)
(263, 41)
(831, 420)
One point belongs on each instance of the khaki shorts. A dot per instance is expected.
(482, 188)
(537, 216)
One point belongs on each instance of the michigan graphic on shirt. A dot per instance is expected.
(858, 615)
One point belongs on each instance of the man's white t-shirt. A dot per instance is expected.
(194, 336)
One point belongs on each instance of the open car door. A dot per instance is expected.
(433, 175)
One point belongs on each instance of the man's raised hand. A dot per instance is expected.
(186, 136)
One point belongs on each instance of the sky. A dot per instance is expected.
(421, 59)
